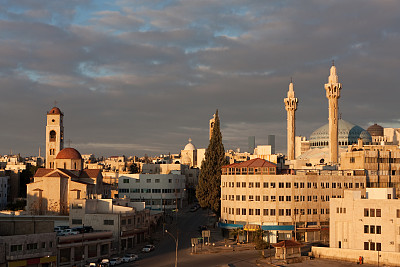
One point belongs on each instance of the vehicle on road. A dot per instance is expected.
(115, 261)
(105, 263)
(130, 257)
(148, 248)
(68, 232)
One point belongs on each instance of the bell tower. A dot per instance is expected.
(291, 107)
(54, 136)
(333, 88)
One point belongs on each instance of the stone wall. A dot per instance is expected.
(370, 257)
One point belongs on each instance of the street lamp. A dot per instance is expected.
(176, 246)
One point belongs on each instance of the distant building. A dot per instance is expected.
(271, 142)
(251, 144)
(158, 191)
(4, 190)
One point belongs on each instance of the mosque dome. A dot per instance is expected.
(375, 130)
(55, 110)
(348, 134)
(69, 153)
(190, 146)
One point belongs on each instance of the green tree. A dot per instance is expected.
(208, 191)
(133, 168)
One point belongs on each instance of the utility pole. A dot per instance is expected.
(176, 245)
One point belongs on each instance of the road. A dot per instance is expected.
(187, 227)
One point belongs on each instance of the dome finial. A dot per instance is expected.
(333, 62)
(190, 140)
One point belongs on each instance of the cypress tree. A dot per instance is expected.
(208, 191)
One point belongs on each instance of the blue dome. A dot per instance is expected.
(348, 134)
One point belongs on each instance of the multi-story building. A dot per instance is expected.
(255, 196)
(159, 191)
(27, 242)
(366, 222)
(4, 190)
(128, 225)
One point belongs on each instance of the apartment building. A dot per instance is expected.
(254, 196)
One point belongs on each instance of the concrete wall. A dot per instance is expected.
(370, 257)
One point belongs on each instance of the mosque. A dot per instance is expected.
(327, 143)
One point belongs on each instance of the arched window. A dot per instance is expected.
(75, 166)
(52, 136)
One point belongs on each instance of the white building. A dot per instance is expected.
(158, 191)
(370, 222)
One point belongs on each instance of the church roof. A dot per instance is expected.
(90, 173)
(190, 146)
(253, 163)
(69, 153)
(87, 173)
(55, 110)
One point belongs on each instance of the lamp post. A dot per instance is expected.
(176, 246)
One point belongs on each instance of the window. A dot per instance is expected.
(243, 197)
(389, 196)
(237, 211)
(273, 198)
(366, 212)
(366, 229)
(366, 246)
(251, 212)
(301, 185)
(378, 213)
(243, 211)
(308, 211)
(43, 244)
(257, 185)
(76, 206)
(288, 198)
(372, 246)
(126, 181)
(237, 184)
(244, 184)
(76, 221)
(257, 198)
(398, 213)
(148, 180)
(157, 180)
(281, 198)
(288, 212)
(16, 248)
(272, 185)
(257, 211)
(272, 212)
(288, 185)
(251, 198)
(281, 185)
(296, 185)
(309, 198)
(237, 197)
(108, 222)
(315, 211)
(296, 198)
(378, 247)
(281, 212)
(265, 212)
(265, 198)
(352, 159)
(372, 229)
(169, 181)
(302, 211)
(251, 184)
(378, 229)
(372, 213)
(265, 185)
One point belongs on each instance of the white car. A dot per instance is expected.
(115, 261)
(129, 257)
(148, 248)
(69, 232)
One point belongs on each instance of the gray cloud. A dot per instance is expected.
(135, 77)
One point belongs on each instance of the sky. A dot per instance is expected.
(143, 76)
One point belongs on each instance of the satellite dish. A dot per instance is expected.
(321, 161)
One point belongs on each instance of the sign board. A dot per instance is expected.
(205, 233)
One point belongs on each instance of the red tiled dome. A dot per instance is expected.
(69, 153)
(55, 110)
(375, 130)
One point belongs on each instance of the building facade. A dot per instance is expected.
(252, 193)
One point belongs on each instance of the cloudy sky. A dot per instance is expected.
(142, 76)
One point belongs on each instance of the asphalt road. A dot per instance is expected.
(187, 228)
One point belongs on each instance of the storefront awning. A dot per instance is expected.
(229, 225)
(277, 227)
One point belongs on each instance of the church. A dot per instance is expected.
(64, 178)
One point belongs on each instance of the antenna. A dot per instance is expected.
(333, 62)
(69, 142)
(55, 103)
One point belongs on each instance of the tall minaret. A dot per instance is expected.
(211, 128)
(291, 106)
(54, 135)
(333, 88)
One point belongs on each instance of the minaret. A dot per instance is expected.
(291, 107)
(54, 135)
(211, 126)
(333, 88)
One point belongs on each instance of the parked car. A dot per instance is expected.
(130, 257)
(115, 261)
(105, 263)
(60, 228)
(148, 248)
(69, 232)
